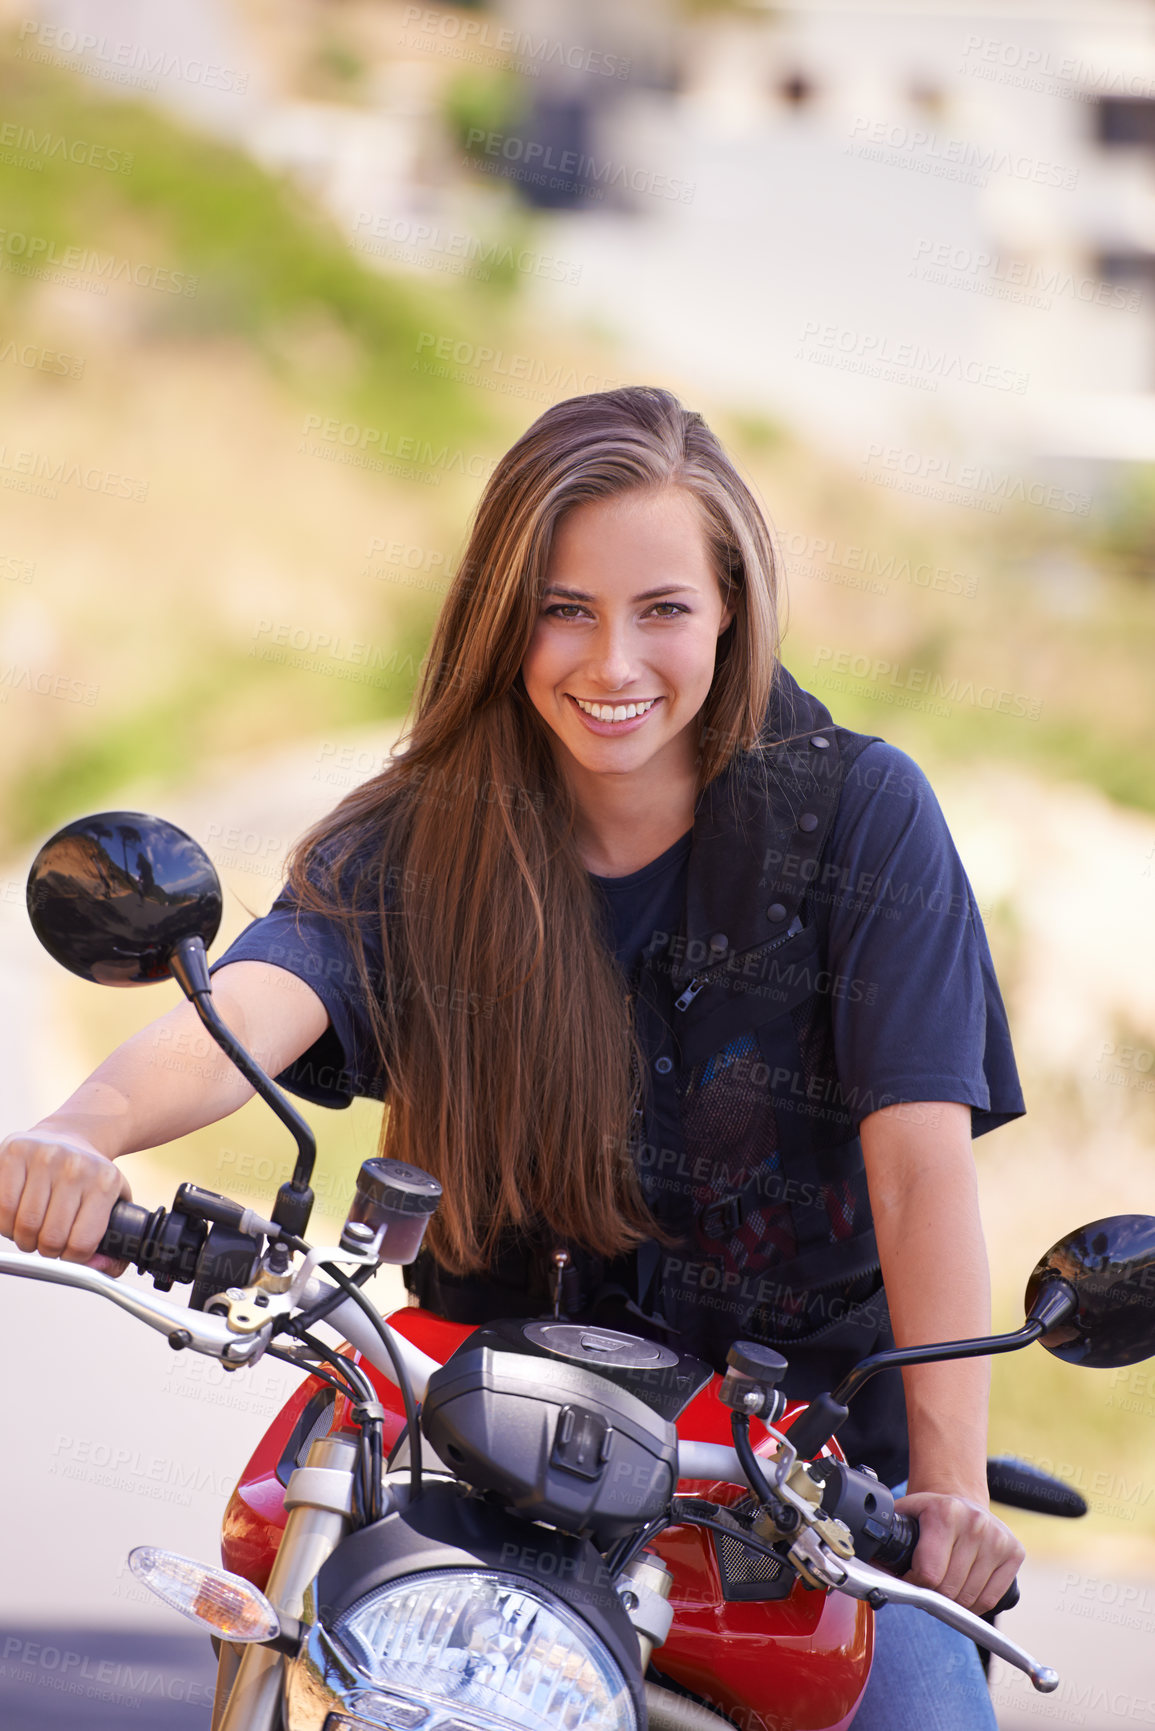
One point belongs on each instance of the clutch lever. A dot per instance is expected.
(818, 1564)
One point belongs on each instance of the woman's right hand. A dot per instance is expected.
(56, 1193)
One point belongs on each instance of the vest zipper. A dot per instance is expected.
(701, 980)
(827, 1327)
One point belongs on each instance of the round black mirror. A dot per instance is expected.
(1111, 1265)
(110, 896)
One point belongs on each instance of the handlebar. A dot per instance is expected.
(211, 1335)
(184, 1328)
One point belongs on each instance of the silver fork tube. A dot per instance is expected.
(319, 1500)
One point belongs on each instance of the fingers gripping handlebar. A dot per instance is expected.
(882, 1534)
(897, 1555)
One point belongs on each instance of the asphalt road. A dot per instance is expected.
(104, 1679)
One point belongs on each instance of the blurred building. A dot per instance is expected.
(893, 223)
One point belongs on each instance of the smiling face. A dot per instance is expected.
(622, 655)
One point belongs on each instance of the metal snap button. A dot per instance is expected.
(719, 943)
(776, 911)
(820, 742)
(663, 1066)
(808, 821)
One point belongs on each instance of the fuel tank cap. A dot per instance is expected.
(599, 1347)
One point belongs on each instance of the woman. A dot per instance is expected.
(655, 966)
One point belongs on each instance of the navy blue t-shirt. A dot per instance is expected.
(894, 910)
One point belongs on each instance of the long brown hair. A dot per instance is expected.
(501, 1018)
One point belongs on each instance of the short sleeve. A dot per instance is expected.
(916, 1009)
(345, 1062)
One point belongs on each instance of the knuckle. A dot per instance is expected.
(974, 1521)
(49, 1157)
(71, 1165)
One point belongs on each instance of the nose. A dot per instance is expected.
(610, 664)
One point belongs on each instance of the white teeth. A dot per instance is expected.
(615, 712)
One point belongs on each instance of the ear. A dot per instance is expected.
(726, 620)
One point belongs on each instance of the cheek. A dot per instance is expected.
(541, 662)
(693, 664)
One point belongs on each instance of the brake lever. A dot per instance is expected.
(817, 1564)
(195, 1330)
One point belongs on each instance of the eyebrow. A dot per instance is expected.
(647, 595)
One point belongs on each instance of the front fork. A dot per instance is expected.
(319, 1501)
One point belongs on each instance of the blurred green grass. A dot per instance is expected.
(270, 267)
(273, 281)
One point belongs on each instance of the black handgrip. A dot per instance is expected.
(161, 1243)
(896, 1553)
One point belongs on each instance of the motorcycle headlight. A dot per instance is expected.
(482, 1649)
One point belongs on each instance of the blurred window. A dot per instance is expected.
(796, 89)
(1123, 266)
(1125, 120)
(931, 98)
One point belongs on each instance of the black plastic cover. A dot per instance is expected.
(556, 1442)
(856, 1498)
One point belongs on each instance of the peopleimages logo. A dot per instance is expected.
(39, 250)
(453, 250)
(901, 360)
(937, 690)
(963, 159)
(1025, 282)
(484, 41)
(527, 159)
(940, 477)
(24, 147)
(120, 62)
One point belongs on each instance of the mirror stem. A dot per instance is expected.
(189, 967)
(813, 1429)
(899, 1356)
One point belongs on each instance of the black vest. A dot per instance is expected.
(745, 1145)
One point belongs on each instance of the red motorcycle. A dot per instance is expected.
(496, 1529)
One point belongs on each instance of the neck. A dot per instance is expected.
(625, 821)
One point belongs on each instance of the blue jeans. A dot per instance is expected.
(926, 1677)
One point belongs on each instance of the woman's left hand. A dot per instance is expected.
(963, 1551)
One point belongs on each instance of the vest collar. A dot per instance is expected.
(747, 849)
